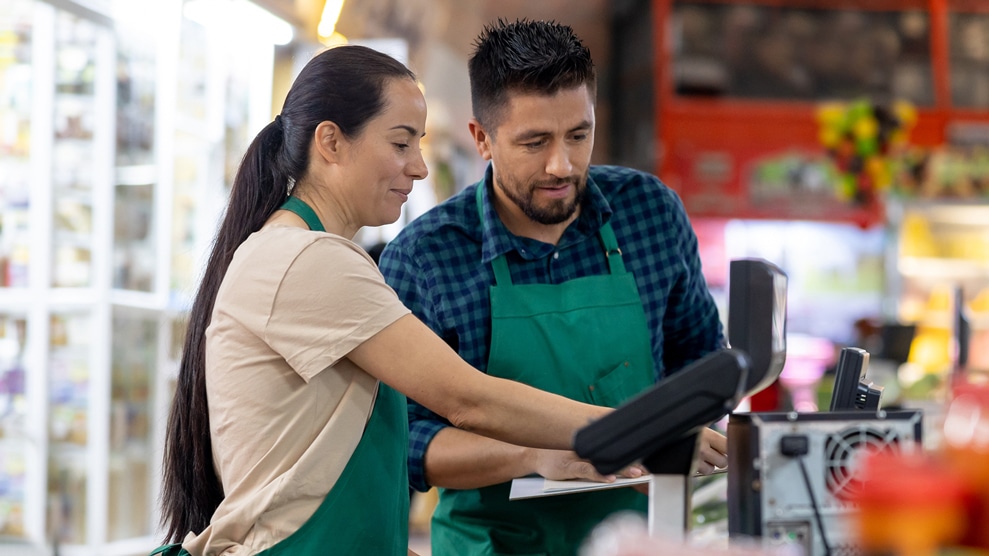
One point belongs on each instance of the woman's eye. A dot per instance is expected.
(401, 146)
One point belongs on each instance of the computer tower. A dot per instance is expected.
(768, 496)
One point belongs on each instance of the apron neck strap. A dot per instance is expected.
(502, 275)
(305, 212)
(611, 250)
(500, 264)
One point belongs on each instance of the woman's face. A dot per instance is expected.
(386, 157)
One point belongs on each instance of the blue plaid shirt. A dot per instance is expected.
(440, 267)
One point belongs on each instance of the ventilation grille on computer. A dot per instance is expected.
(843, 451)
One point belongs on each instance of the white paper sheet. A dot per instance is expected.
(533, 487)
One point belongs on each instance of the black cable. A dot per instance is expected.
(813, 505)
(797, 446)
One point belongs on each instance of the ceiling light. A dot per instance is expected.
(328, 21)
(240, 18)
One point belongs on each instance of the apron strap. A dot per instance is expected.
(502, 275)
(499, 264)
(299, 207)
(611, 250)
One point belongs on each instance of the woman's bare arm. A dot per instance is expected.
(409, 357)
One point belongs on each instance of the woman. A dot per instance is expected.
(288, 430)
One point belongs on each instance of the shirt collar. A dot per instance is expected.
(496, 240)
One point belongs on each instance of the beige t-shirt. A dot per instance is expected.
(286, 407)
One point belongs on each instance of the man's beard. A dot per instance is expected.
(557, 211)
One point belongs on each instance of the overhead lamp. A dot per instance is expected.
(240, 18)
(333, 40)
(328, 21)
(141, 19)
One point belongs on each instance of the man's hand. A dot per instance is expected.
(712, 451)
(560, 465)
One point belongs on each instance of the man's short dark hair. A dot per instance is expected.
(525, 56)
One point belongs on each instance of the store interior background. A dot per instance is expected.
(122, 121)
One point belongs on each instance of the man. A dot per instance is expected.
(581, 280)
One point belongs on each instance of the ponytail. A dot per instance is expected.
(191, 490)
(344, 85)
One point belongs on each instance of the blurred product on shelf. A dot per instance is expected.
(863, 139)
(932, 502)
(628, 535)
(908, 506)
(943, 172)
(939, 277)
(807, 357)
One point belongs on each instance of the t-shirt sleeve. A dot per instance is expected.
(331, 299)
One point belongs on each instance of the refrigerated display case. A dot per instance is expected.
(136, 181)
(13, 435)
(15, 140)
(938, 247)
(16, 449)
(116, 119)
(54, 210)
(134, 363)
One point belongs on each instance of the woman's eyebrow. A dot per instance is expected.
(412, 131)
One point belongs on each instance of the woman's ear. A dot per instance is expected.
(328, 141)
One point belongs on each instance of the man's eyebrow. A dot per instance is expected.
(530, 135)
(586, 124)
(535, 133)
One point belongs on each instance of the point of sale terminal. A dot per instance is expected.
(789, 474)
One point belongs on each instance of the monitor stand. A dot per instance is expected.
(669, 488)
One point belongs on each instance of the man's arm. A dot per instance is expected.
(462, 460)
(692, 326)
(444, 456)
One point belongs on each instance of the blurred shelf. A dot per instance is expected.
(937, 268)
(945, 320)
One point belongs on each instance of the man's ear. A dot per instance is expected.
(482, 139)
(329, 141)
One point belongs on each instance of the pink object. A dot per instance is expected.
(807, 357)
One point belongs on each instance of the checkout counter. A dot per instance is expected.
(792, 477)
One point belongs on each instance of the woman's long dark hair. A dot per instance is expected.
(344, 85)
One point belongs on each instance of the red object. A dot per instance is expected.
(767, 399)
(910, 503)
(708, 146)
(966, 450)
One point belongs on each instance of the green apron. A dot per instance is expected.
(586, 339)
(367, 510)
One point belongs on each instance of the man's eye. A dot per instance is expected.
(534, 144)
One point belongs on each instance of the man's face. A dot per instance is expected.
(540, 151)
